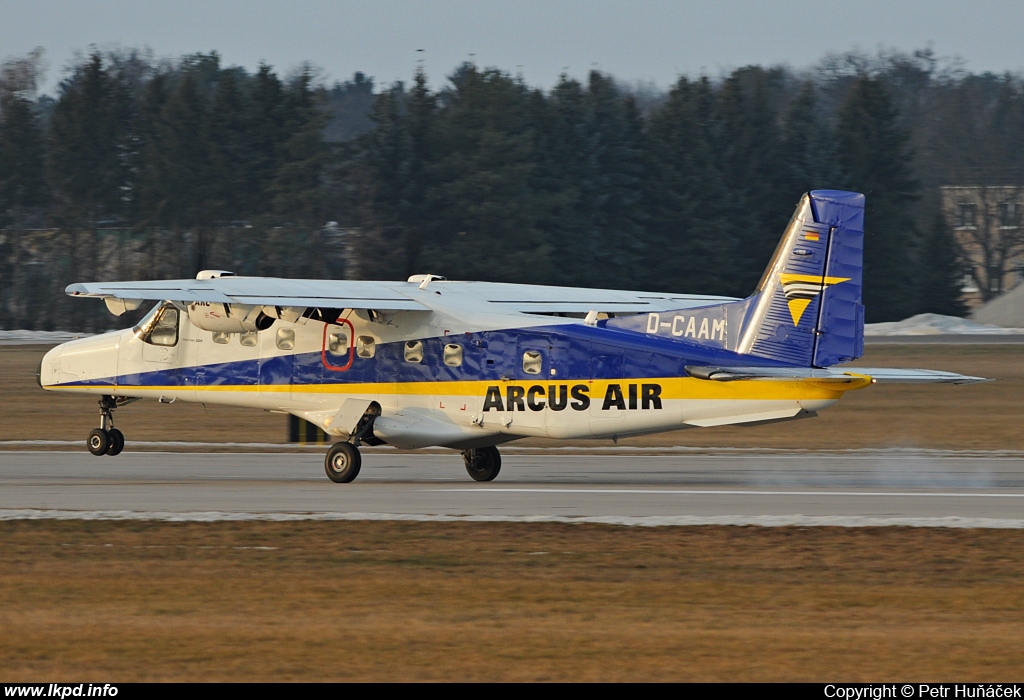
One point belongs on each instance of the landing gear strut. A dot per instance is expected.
(106, 439)
(343, 459)
(483, 463)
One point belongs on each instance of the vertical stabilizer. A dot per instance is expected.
(807, 308)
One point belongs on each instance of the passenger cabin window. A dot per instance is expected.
(453, 355)
(414, 351)
(366, 346)
(285, 338)
(160, 327)
(222, 338)
(248, 340)
(338, 342)
(533, 362)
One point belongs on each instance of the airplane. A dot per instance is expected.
(472, 365)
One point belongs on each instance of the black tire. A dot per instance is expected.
(116, 442)
(98, 442)
(342, 462)
(483, 464)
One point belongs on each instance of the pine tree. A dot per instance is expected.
(481, 201)
(563, 169)
(808, 158)
(420, 133)
(351, 108)
(83, 157)
(612, 192)
(231, 153)
(875, 156)
(691, 243)
(389, 177)
(751, 155)
(941, 273)
(267, 123)
(183, 161)
(23, 191)
(298, 189)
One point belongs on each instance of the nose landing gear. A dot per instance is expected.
(106, 439)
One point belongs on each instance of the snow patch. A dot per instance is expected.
(937, 324)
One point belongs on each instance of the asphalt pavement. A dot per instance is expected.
(633, 487)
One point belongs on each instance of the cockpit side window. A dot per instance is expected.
(160, 326)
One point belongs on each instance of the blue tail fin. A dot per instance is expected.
(807, 308)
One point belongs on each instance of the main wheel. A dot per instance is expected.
(116, 444)
(483, 464)
(343, 462)
(99, 442)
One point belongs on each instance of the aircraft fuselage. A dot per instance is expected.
(536, 377)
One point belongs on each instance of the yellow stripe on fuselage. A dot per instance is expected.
(678, 388)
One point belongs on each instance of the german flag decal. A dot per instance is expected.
(800, 290)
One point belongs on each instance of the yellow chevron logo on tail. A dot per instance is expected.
(800, 290)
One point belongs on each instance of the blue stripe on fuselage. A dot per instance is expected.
(574, 351)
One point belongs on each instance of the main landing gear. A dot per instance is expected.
(483, 463)
(343, 462)
(106, 439)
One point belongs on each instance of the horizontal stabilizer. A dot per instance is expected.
(875, 374)
(890, 375)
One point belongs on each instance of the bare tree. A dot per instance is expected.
(986, 223)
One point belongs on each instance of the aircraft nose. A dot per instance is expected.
(91, 360)
(49, 365)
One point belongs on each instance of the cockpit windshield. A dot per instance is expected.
(160, 326)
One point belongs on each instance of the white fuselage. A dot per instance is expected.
(452, 376)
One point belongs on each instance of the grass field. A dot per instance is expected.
(981, 416)
(106, 602)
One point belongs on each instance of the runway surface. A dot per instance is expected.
(900, 487)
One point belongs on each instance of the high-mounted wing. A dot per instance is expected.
(529, 298)
(389, 296)
(877, 375)
(257, 291)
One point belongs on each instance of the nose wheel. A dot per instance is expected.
(106, 439)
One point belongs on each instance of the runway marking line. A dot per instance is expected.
(737, 493)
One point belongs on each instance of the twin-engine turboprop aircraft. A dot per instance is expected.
(470, 365)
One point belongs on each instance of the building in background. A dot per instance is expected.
(986, 224)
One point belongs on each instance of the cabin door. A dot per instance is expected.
(607, 393)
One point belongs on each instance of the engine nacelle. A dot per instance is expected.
(228, 318)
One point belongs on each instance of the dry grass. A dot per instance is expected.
(110, 602)
(985, 416)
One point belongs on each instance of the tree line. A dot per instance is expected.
(589, 183)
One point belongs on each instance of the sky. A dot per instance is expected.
(652, 41)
